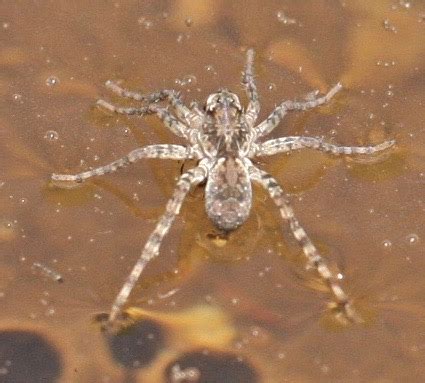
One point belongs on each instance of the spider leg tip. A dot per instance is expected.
(338, 86)
(104, 104)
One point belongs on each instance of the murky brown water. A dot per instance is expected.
(236, 311)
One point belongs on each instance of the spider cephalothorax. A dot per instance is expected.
(224, 137)
(225, 131)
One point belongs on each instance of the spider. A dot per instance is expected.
(223, 138)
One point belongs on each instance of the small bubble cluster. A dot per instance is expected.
(188, 80)
(211, 69)
(147, 24)
(385, 63)
(388, 26)
(282, 18)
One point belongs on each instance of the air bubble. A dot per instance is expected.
(210, 69)
(7, 230)
(386, 243)
(51, 135)
(17, 97)
(235, 301)
(189, 80)
(405, 4)
(188, 22)
(50, 311)
(52, 80)
(271, 87)
(412, 239)
(255, 332)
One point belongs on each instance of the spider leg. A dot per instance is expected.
(173, 97)
(313, 258)
(127, 111)
(170, 122)
(248, 81)
(280, 111)
(196, 109)
(149, 98)
(286, 144)
(151, 248)
(173, 152)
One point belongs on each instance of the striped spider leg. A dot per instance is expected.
(151, 249)
(281, 110)
(289, 143)
(176, 124)
(314, 259)
(185, 182)
(163, 151)
(223, 136)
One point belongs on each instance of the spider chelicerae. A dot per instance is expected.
(223, 138)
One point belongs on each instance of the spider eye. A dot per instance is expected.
(224, 99)
(236, 103)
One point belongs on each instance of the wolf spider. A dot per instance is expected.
(223, 138)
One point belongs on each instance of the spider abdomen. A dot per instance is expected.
(228, 193)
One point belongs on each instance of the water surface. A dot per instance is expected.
(268, 318)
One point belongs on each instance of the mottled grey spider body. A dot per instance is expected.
(226, 140)
(224, 137)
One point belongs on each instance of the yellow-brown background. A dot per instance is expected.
(366, 216)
